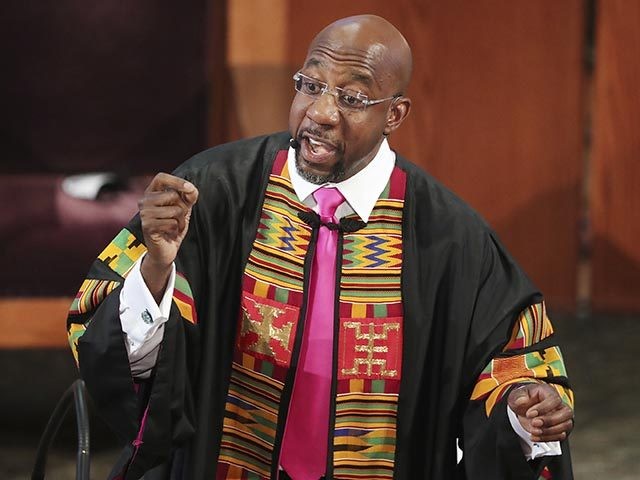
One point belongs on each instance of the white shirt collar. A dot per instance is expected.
(361, 191)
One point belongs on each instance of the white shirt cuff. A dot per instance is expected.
(141, 317)
(531, 449)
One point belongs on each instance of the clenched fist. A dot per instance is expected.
(165, 211)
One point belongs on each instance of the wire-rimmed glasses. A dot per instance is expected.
(346, 99)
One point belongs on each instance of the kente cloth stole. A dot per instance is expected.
(367, 338)
(531, 355)
(108, 271)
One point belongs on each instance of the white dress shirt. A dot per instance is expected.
(143, 320)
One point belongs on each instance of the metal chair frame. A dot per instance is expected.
(77, 392)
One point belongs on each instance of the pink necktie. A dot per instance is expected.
(304, 445)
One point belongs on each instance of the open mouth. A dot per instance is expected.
(317, 151)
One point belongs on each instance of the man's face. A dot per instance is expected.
(336, 143)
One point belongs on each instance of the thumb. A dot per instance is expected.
(189, 194)
(520, 400)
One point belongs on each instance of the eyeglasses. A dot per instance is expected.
(346, 99)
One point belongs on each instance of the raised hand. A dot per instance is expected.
(165, 211)
(541, 412)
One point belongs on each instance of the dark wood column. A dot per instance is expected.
(616, 159)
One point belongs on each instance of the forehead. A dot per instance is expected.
(350, 61)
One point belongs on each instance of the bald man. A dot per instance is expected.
(243, 326)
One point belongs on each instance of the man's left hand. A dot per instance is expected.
(541, 412)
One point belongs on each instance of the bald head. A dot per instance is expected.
(363, 65)
(380, 45)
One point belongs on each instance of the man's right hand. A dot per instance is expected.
(165, 211)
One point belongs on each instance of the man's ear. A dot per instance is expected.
(398, 111)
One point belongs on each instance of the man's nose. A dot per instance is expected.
(324, 110)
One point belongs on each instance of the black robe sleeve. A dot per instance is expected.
(520, 349)
(157, 417)
(150, 416)
(464, 297)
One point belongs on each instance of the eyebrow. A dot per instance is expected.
(363, 78)
(314, 62)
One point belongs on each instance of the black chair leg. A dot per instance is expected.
(77, 391)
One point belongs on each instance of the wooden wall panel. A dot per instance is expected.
(258, 68)
(34, 322)
(616, 154)
(497, 116)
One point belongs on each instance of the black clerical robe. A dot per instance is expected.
(462, 295)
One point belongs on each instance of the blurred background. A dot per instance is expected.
(529, 110)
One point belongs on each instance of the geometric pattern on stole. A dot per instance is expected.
(545, 474)
(271, 300)
(119, 256)
(521, 362)
(370, 341)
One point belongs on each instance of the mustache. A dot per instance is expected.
(318, 134)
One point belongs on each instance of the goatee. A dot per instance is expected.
(334, 176)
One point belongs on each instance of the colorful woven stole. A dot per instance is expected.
(119, 257)
(368, 338)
